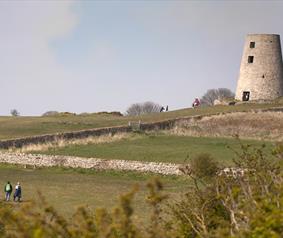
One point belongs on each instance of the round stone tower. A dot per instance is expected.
(261, 72)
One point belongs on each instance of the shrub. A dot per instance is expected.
(212, 94)
(50, 113)
(143, 108)
(204, 166)
(247, 204)
(14, 113)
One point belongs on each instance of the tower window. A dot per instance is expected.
(252, 44)
(250, 59)
(246, 96)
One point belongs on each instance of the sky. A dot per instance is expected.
(90, 56)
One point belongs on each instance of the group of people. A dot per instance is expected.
(8, 189)
(162, 109)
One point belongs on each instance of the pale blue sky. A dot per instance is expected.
(88, 56)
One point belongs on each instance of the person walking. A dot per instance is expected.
(18, 192)
(8, 191)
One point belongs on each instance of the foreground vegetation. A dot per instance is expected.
(156, 147)
(17, 127)
(246, 204)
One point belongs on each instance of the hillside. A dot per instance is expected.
(18, 127)
(257, 126)
(151, 147)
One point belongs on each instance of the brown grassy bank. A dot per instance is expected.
(252, 125)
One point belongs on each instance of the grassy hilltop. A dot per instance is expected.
(17, 127)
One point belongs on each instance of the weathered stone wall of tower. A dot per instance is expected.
(261, 71)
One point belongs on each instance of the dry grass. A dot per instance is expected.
(260, 126)
(63, 143)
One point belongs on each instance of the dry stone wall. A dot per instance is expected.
(102, 164)
(18, 143)
(89, 163)
(160, 125)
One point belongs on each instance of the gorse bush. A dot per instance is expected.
(203, 166)
(248, 203)
(245, 204)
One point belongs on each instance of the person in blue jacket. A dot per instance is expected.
(18, 192)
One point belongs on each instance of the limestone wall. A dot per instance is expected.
(161, 125)
(263, 77)
(102, 164)
(18, 143)
(89, 163)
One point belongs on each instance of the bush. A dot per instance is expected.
(216, 94)
(245, 204)
(143, 108)
(50, 113)
(204, 166)
(15, 113)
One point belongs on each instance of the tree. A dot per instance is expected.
(143, 108)
(14, 113)
(212, 94)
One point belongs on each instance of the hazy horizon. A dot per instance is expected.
(90, 56)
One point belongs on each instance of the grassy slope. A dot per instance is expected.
(159, 147)
(68, 189)
(15, 127)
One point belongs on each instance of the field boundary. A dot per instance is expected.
(81, 134)
(89, 163)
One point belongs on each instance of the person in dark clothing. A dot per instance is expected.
(167, 108)
(8, 191)
(18, 192)
(162, 109)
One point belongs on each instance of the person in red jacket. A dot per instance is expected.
(196, 102)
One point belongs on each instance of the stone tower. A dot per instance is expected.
(261, 72)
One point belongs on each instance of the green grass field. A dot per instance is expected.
(17, 127)
(157, 147)
(66, 189)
